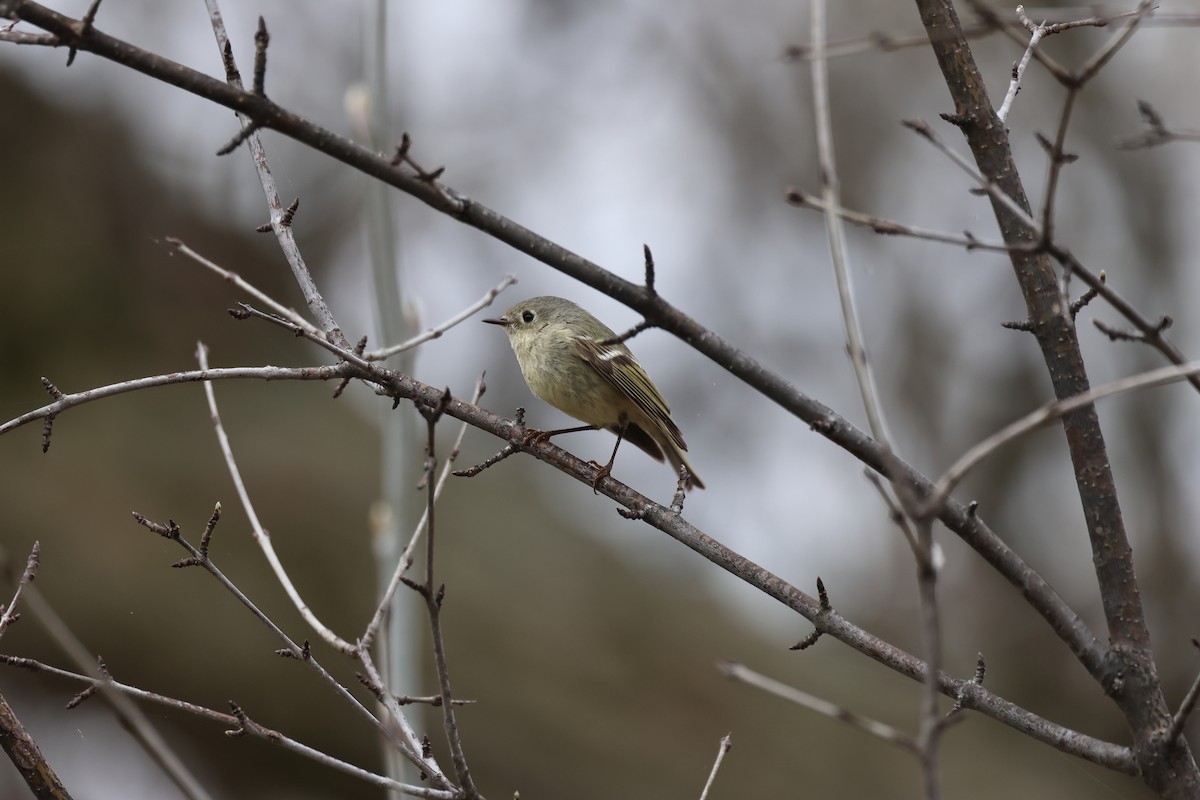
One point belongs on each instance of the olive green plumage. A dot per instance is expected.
(559, 347)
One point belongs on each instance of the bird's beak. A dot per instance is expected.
(502, 322)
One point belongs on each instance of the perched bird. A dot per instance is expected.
(566, 361)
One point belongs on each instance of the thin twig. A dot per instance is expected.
(1046, 414)
(963, 163)
(1185, 708)
(390, 702)
(31, 567)
(435, 332)
(429, 700)
(1156, 133)
(741, 672)
(889, 227)
(930, 726)
(433, 601)
(1057, 159)
(1019, 68)
(927, 740)
(259, 533)
(1105, 54)
(898, 517)
(241, 283)
(173, 533)
(722, 749)
(836, 234)
(322, 373)
(405, 561)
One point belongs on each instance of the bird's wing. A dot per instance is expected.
(618, 366)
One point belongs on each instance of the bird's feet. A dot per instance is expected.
(602, 472)
(533, 436)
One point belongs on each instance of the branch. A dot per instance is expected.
(1018, 71)
(66, 401)
(1156, 132)
(435, 332)
(433, 599)
(652, 306)
(1048, 413)
(281, 218)
(740, 672)
(889, 227)
(10, 614)
(405, 561)
(1185, 708)
(236, 722)
(232, 277)
(27, 757)
(726, 745)
(836, 234)
(260, 535)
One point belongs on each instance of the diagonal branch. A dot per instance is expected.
(1049, 413)
(887, 733)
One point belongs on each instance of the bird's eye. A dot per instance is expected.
(527, 316)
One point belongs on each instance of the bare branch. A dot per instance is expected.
(1186, 707)
(889, 227)
(1014, 86)
(740, 672)
(726, 745)
(1105, 54)
(323, 373)
(433, 599)
(10, 614)
(261, 537)
(242, 284)
(27, 757)
(406, 558)
(836, 234)
(1046, 414)
(1156, 133)
(437, 331)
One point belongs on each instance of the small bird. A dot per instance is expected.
(566, 361)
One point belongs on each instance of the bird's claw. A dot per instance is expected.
(533, 436)
(602, 472)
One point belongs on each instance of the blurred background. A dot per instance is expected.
(588, 641)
